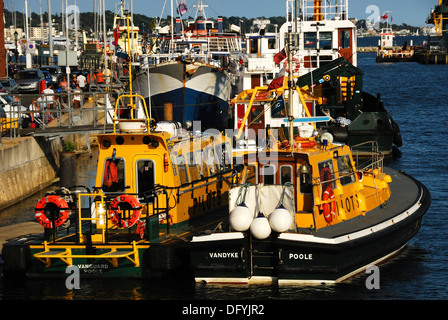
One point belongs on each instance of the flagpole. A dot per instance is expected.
(290, 84)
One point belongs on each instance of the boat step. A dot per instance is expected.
(48, 254)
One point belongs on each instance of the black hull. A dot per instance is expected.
(332, 254)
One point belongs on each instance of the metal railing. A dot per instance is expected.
(56, 110)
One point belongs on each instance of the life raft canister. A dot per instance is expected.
(41, 206)
(114, 211)
(329, 209)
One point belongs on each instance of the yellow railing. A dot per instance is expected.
(66, 255)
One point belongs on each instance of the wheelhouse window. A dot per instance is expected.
(346, 171)
(145, 176)
(223, 156)
(209, 157)
(326, 174)
(285, 174)
(311, 40)
(193, 167)
(325, 40)
(182, 168)
(268, 174)
(114, 175)
(250, 175)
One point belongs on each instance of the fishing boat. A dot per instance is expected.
(191, 72)
(304, 209)
(156, 185)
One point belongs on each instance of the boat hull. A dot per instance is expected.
(331, 254)
(197, 92)
(367, 127)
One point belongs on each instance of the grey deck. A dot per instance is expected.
(405, 192)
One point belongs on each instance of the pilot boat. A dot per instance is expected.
(156, 185)
(303, 211)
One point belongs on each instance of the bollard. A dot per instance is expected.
(68, 169)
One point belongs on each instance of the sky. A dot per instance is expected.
(411, 12)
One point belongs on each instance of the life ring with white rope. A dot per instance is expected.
(114, 210)
(295, 62)
(329, 209)
(42, 206)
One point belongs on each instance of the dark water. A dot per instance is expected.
(417, 97)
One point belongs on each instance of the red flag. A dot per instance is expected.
(279, 57)
(385, 16)
(116, 35)
(276, 83)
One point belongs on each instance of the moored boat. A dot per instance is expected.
(156, 185)
(388, 52)
(303, 211)
(154, 188)
(190, 72)
(320, 55)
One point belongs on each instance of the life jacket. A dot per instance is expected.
(110, 174)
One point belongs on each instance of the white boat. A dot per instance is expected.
(189, 75)
(321, 43)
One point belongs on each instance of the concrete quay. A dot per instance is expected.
(17, 230)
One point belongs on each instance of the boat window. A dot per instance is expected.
(250, 175)
(285, 174)
(173, 162)
(200, 163)
(192, 165)
(326, 174)
(114, 175)
(271, 43)
(268, 174)
(346, 172)
(253, 43)
(182, 168)
(223, 156)
(310, 40)
(210, 160)
(325, 40)
(305, 178)
(145, 176)
(344, 39)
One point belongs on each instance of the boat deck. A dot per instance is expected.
(405, 192)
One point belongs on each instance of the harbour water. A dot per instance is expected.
(417, 97)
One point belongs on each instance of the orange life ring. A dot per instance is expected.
(329, 209)
(39, 210)
(303, 142)
(114, 211)
(296, 68)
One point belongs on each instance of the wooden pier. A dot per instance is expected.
(431, 57)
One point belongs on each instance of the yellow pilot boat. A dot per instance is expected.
(302, 210)
(156, 186)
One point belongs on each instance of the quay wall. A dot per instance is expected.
(27, 165)
(30, 164)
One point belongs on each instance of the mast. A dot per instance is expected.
(50, 32)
